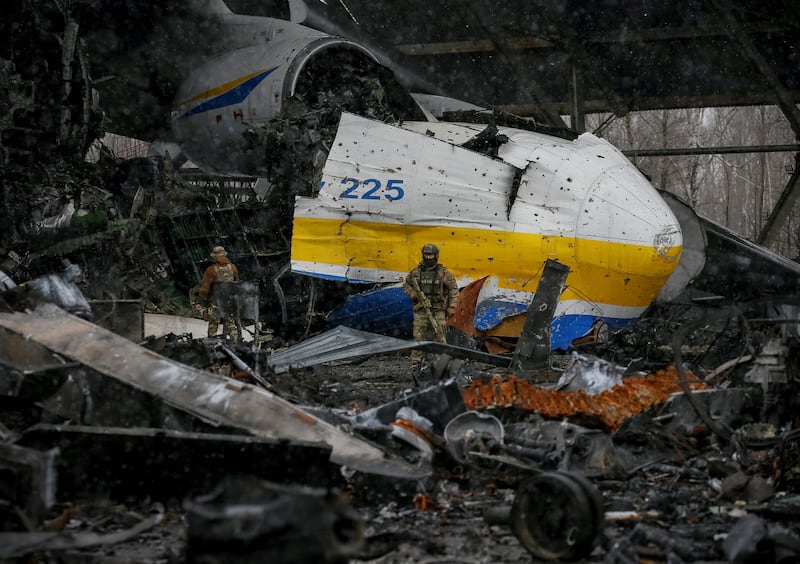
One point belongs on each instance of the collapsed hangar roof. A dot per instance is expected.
(541, 58)
(617, 55)
(538, 58)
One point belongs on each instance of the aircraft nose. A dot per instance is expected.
(623, 207)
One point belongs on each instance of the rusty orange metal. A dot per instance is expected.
(423, 502)
(464, 316)
(611, 407)
(412, 428)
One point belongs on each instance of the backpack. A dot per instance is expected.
(224, 272)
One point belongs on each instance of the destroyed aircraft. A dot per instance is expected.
(276, 99)
(360, 174)
(685, 506)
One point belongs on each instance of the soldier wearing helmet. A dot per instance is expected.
(222, 270)
(434, 295)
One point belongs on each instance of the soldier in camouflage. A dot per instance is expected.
(222, 270)
(434, 295)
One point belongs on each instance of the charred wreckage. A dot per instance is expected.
(670, 435)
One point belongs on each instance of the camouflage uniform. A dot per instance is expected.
(439, 286)
(221, 271)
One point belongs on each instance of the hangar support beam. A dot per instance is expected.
(682, 151)
(786, 102)
(783, 208)
(784, 99)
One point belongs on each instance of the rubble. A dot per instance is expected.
(626, 466)
(246, 520)
(214, 400)
(675, 440)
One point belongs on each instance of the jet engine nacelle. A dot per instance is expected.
(249, 86)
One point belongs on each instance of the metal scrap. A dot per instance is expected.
(242, 365)
(159, 463)
(245, 520)
(533, 347)
(343, 342)
(753, 539)
(60, 289)
(557, 516)
(28, 481)
(337, 344)
(610, 407)
(216, 400)
(439, 404)
(591, 374)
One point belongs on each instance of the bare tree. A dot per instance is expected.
(737, 190)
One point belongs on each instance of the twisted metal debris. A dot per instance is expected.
(611, 407)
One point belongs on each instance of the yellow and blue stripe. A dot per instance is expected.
(579, 202)
(608, 280)
(228, 94)
(603, 272)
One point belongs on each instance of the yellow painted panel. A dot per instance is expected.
(601, 271)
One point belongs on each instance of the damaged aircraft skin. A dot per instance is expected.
(387, 190)
(498, 202)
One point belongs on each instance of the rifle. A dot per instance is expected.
(426, 303)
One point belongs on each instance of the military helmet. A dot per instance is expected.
(430, 249)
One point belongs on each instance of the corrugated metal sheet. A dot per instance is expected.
(337, 344)
(611, 407)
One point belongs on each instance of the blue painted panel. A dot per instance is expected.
(335, 277)
(567, 328)
(386, 311)
(489, 313)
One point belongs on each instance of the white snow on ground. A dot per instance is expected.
(159, 324)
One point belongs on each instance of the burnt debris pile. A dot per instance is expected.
(294, 145)
(127, 435)
(190, 449)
